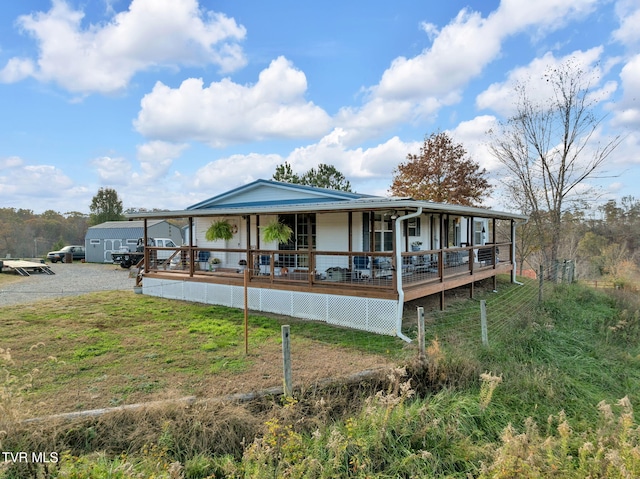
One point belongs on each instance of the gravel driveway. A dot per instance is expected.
(70, 279)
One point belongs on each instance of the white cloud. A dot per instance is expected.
(34, 184)
(355, 163)
(156, 157)
(113, 171)
(16, 69)
(226, 112)
(104, 57)
(472, 134)
(416, 88)
(499, 97)
(628, 13)
(361, 166)
(227, 173)
(11, 162)
(627, 112)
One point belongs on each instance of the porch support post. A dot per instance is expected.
(189, 251)
(311, 259)
(350, 236)
(513, 251)
(144, 247)
(258, 231)
(247, 219)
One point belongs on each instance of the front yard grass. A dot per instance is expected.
(112, 348)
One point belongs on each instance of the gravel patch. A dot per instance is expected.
(70, 279)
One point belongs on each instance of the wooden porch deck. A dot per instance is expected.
(445, 269)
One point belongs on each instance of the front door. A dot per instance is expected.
(304, 230)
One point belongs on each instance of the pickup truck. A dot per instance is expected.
(128, 258)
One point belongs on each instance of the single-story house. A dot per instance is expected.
(111, 236)
(352, 260)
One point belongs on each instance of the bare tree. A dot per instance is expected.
(549, 149)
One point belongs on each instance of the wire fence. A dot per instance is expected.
(499, 310)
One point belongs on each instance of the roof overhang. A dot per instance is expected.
(363, 204)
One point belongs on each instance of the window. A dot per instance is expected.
(94, 241)
(383, 232)
(479, 232)
(304, 230)
(132, 241)
(414, 227)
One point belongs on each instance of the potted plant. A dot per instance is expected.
(415, 246)
(219, 230)
(243, 265)
(277, 231)
(215, 263)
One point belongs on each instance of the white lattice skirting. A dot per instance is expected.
(367, 314)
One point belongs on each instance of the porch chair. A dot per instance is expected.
(361, 267)
(203, 260)
(408, 265)
(382, 268)
(265, 264)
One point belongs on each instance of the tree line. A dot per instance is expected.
(24, 234)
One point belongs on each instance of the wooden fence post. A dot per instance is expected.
(286, 361)
(483, 322)
(540, 283)
(421, 350)
(246, 311)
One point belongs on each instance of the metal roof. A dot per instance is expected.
(361, 204)
(245, 200)
(120, 229)
(124, 224)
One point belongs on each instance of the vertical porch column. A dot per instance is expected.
(189, 247)
(247, 220)
(513, 252)
(310, 255)
(441, 259)
(144, 247)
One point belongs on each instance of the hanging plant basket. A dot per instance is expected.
(278, 232)
(219, 230)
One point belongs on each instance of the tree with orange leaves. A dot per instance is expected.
(443, 173)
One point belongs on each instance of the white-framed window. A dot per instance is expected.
(94, 241)
(383, 232)
(414, 227)
(479, 232)
(132, 241)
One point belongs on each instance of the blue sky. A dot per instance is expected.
(171, 102)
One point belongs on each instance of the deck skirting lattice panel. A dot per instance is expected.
(366, 314)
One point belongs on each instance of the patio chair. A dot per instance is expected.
(361, 267)
(265, 264)
(408, 265)
(203, 260)
(382, 268)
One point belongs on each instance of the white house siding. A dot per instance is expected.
(366, 314)
(332, 235)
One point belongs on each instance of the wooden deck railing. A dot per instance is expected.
(311, 268)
